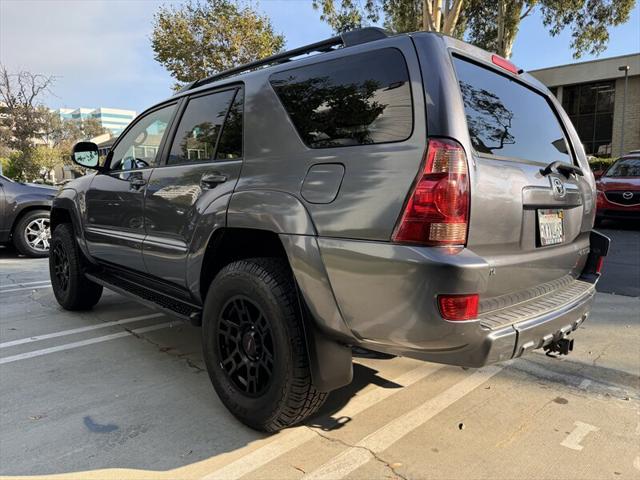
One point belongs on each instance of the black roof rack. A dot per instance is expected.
(346, 39)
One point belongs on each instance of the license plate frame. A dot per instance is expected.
(550, 226)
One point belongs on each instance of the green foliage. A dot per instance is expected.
(64, 134)
(204, 37)
(9, 168)
(492, 25)
(46, 158)
(588, 20)
(348, 14)
(600, 164)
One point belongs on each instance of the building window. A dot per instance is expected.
(590, 108)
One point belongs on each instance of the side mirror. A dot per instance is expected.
(86, 155)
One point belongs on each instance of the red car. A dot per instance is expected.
(619, 190)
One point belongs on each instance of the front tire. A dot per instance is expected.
(32, 234)
(254, 345)
(72, 289)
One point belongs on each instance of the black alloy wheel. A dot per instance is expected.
(246, 345)
(60, 262)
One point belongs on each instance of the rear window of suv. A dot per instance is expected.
(356, 100)
(507, 119)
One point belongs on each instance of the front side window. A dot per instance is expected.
(507, 119)
(356, 100)
(199, 128)
(139, 147)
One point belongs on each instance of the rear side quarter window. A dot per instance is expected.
(356, 100)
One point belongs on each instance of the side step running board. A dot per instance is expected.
(147, 296)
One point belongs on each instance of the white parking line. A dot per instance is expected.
(574, 438)
(295, 437)
(384, 437)
(34, 287)
(82, 343)
(73, 331)
(22, 284)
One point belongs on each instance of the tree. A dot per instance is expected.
(399, 15)
(24, 117)
(492, 25)
(204, 37)
(64, 134)
(44, 159)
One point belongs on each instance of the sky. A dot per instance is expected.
(100, 50)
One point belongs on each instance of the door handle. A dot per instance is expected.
(137, 182)
(210, 180)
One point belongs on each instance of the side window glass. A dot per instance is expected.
(140, 146)
(230, 144)
(199, 127)
(356, 100)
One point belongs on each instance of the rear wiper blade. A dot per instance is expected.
(562, 168)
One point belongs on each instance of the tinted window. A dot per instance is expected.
(356, 100)
(230, 143)
(590, 108)
(506, 118)
(139, 147)
(625, 167)
(197, 133)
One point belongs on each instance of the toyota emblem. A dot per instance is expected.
(627, 195)
(558, 187)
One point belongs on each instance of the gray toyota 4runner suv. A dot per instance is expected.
(407, 194)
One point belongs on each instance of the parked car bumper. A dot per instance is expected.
(611, 210)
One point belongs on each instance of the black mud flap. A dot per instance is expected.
(330, 362)
(599, 247)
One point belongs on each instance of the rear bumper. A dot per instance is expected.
(386, 295)
(517, 339)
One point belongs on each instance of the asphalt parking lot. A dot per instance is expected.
(121, 392)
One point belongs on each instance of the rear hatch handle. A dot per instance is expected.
(562, 168)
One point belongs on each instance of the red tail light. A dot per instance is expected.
(458, 307)
(437, 211)
(504, 63)
(599, 264)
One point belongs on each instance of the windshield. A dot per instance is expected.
(625, 167)
(507, 119)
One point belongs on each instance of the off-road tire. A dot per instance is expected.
(19, 236)
(290, 396)
(77, 292)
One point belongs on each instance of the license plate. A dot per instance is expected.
(550, 228)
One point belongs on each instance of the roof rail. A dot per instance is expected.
(346, 39)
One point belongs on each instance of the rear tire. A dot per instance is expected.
(254, 345)
(72, 289)
(32, 234)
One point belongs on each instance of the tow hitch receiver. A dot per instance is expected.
(561, 347)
